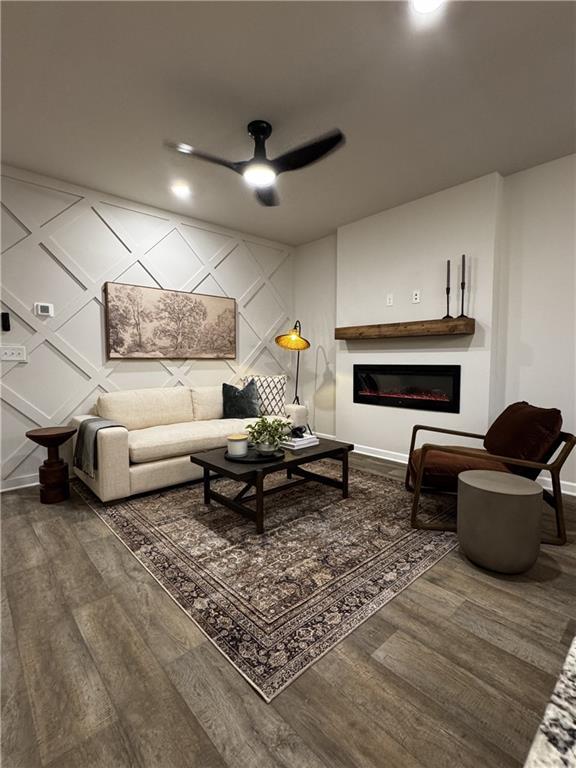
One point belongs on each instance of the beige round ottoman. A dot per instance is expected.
(499, 520)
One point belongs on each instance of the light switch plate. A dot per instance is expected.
(13, 354)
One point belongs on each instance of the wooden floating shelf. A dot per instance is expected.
(458, 326)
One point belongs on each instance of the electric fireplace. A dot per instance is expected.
(423, 387)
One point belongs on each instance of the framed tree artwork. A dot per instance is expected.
(153, 322)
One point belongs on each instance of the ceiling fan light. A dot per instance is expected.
(186, 149)
(259, 175)
(181, 189)
(427, 6)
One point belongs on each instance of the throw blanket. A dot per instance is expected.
(555, 742)
(86, 451)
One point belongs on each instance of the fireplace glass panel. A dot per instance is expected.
(423, 387)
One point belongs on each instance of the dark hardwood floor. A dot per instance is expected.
(100, 668)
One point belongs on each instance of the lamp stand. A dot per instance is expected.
(296, 400)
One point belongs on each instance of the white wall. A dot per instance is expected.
(525, 347)
(540, 249)
(396, 252)
(60, 243)
(315, 307)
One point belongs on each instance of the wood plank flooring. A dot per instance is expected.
(100, 669)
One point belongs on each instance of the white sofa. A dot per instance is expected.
(161, 428)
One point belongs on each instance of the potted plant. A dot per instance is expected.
(266, 434)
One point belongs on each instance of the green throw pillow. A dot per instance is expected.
(240, 403)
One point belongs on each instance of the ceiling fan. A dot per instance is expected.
(260, 172)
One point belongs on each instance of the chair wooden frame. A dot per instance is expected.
(554, 499)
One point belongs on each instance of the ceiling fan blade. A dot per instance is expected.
(309, 153)
(267, 196)
(187, 149)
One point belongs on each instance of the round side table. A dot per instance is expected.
(53, 473)
(499, 520)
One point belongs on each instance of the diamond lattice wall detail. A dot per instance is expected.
(61, 243)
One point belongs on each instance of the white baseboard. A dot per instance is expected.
(568, 487)
(26, 481)
(379, 453)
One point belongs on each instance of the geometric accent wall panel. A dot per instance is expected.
(209, 286)
(282, 280)
(138, 274)
(12, 230)
(139, 374)
(247, 338)
(237, 271)
(20, 331)
(173, 258)
(46, 365)
(85, 333)
(263, 310)
(205, 243)
(14, 424)
(35, 204)
(143, 228)
(89, 243)
(29, 271)
(61, 243)
(268, 258)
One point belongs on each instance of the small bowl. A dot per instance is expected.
(266, 449)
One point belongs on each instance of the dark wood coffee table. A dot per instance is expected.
(252, 475)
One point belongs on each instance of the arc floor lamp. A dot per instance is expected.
(294, 341)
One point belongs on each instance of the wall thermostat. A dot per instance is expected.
(43, 310)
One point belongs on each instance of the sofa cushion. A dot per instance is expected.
(271, 393)
(524, 431)
(240, 403)
(442, 469)
(141, 408)
(171, 440)
(207, 403)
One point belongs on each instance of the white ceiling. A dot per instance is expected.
(90, 90)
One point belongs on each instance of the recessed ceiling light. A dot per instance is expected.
(426, 6)
(181, 189)
(259, 175)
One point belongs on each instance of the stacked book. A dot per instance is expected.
(297, 443)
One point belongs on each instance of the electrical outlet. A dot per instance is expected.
(416, 296)
(13, 354)
(389, 299)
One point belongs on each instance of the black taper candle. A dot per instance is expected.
(447, 316)
(463, 284)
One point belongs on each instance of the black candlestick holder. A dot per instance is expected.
(447, 316)
(463, 292)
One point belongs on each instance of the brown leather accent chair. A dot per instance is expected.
(522, 440)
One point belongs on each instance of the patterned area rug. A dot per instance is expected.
(274, 603)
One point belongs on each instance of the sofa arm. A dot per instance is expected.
(298, 414)
(112, 478)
